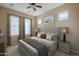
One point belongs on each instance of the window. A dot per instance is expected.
(63, 15)
(27, 26)
(14, 25)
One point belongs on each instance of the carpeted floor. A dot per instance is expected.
(13, 51)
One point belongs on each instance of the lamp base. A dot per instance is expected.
(64, 40)
(36, 33)
(64, 37)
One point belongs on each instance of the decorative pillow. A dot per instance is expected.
(43, 36)
(40, 34)
(49, 37)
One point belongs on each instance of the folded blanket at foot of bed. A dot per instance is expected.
(41, 48)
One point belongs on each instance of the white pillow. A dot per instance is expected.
(39, 35)
(51, 36)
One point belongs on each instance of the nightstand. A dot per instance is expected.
(64, 46)
(2, 49)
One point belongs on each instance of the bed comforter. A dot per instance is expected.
(37, 47)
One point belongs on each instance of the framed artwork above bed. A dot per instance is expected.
(48, 21)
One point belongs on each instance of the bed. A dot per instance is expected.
(35, 46)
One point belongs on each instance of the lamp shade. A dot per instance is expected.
(65, 30)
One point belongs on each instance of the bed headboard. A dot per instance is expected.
(50, 30)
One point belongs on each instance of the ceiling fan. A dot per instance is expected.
(33, 5)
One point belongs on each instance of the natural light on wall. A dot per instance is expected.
(39, 21)
(63, 15)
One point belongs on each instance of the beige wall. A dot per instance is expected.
(3, 26)
(72, 23)
(4, 17)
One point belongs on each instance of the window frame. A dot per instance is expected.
(30, 26)
(63, 18)
(18, 25)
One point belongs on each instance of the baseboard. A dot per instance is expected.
(75, 51)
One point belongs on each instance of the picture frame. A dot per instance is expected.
(48, 21)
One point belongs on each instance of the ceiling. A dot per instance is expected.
(22, 7)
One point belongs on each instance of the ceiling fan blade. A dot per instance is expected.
(34, 9)
(29, 7)
(32, 3)
(38, 6)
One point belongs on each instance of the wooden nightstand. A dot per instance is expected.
(64, 46)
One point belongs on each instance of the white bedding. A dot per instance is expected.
(29, 48)
(48, 43)
(51, 45)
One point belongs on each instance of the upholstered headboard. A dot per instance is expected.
(50, 30)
